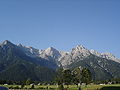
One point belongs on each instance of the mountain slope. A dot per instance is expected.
(99, 66)
(16, 65)
(24, 62)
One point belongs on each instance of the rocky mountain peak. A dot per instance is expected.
(80, 50)
(51, 49)
(105, 55)
(79, 47)
(95, 52)
(29, 51)
(108, 55)
(77, 53)
(6, 42)
(50, 52)
(20, 45)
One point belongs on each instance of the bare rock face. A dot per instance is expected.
(50, 52)
(76, 54)
(65, 58)
(105, 55)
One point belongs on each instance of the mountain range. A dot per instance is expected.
(19, 62)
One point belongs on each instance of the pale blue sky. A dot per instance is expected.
(62, 23)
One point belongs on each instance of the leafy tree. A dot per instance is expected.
(59, 79)
(76, 76)
(59, 76)
(86, 76)
(67, 77)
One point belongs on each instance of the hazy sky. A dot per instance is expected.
(62, 24)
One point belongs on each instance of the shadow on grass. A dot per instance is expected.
(111, 88)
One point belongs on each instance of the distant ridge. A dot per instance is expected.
(20, 58)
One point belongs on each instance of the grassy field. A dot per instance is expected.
(71, 87)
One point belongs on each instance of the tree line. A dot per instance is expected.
(65, 77)
(76, 76)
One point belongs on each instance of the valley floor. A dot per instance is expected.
(71, 87)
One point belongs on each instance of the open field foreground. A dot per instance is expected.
(71, 87)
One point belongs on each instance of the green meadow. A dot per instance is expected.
(71, 87)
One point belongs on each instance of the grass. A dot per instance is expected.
(71, 87)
